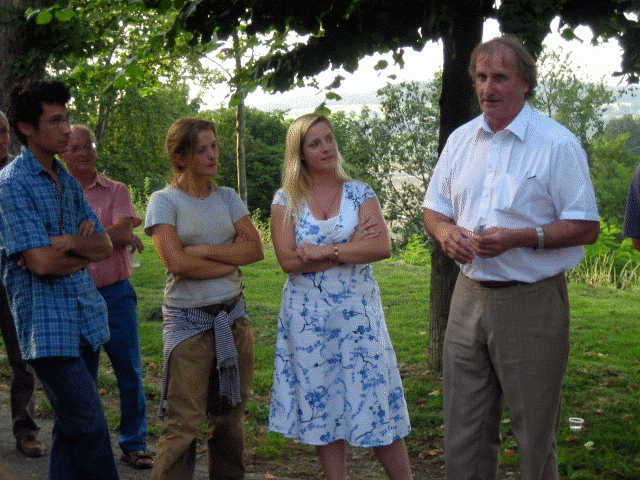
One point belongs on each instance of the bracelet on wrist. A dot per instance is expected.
(540, 235)
(335, 251)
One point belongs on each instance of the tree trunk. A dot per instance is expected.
(241, 161)
(241, 141)
(13, 44)
(456, 107)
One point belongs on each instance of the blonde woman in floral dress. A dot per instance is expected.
(336, 379)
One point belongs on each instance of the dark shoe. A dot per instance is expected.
(31, 446)
(139, 459)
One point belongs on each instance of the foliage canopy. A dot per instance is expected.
(339, 33)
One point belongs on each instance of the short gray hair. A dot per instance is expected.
(87, 129)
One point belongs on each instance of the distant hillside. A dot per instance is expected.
(627, 104)
(298, 102)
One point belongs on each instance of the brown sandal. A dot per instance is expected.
(133, 459)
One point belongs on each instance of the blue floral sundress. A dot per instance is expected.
(335, 374)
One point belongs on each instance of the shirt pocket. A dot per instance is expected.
(525, 195)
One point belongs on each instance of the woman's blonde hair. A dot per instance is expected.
(181, 142)
(296, 181)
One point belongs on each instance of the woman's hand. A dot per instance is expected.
(241, 236)
(312, 253)
(197, 250)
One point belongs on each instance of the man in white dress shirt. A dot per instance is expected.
(512, 203)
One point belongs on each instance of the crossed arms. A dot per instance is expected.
(205, 261)
(68, 253)
(369, 243)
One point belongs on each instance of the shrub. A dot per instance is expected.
(416, 252)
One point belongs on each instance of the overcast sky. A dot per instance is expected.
(596, 62)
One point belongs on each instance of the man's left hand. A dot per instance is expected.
(136, 244)
(86, 228)
(62, 243)
(492, 242)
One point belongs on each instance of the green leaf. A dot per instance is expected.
(333, 96)
(156, 42)
(65, 15)
(44, 17)
(134, 71)
(29, 13)
(120, 82)
(322, 109)
(381, 65)
(235, 100)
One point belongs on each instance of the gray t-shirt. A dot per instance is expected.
(198, 221)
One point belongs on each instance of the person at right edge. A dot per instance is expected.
(510, 201)
(631, 227)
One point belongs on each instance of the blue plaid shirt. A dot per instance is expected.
(53, 315)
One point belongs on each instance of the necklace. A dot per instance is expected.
(325, 211)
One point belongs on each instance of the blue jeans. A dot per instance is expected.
(80, 448)
(123, 350)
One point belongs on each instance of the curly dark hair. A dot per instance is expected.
(25, 103)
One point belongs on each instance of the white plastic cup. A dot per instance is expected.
(135, 256)
(576, 423)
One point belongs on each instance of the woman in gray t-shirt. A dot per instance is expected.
(203, 234)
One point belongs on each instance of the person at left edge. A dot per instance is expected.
(48, 236)
(111, 202)
(23, 378)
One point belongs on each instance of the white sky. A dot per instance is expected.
(597, 62)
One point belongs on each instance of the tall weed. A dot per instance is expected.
(262, 225)
(608, 262)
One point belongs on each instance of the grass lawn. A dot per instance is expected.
(601, 384)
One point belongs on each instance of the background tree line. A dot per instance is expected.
(392, 145)
(278, 45)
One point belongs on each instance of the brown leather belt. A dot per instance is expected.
(497, 284)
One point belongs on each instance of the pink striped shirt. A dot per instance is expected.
(111, 201)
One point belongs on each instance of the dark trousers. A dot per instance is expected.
(81, 447)
(23, 379)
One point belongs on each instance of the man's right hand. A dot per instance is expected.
(455, 242)
(453, 239)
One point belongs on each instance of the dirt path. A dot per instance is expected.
(299, 458)
(12, 462)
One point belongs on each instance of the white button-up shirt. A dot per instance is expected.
(532, 173)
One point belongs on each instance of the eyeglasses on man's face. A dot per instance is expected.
(87, 147)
